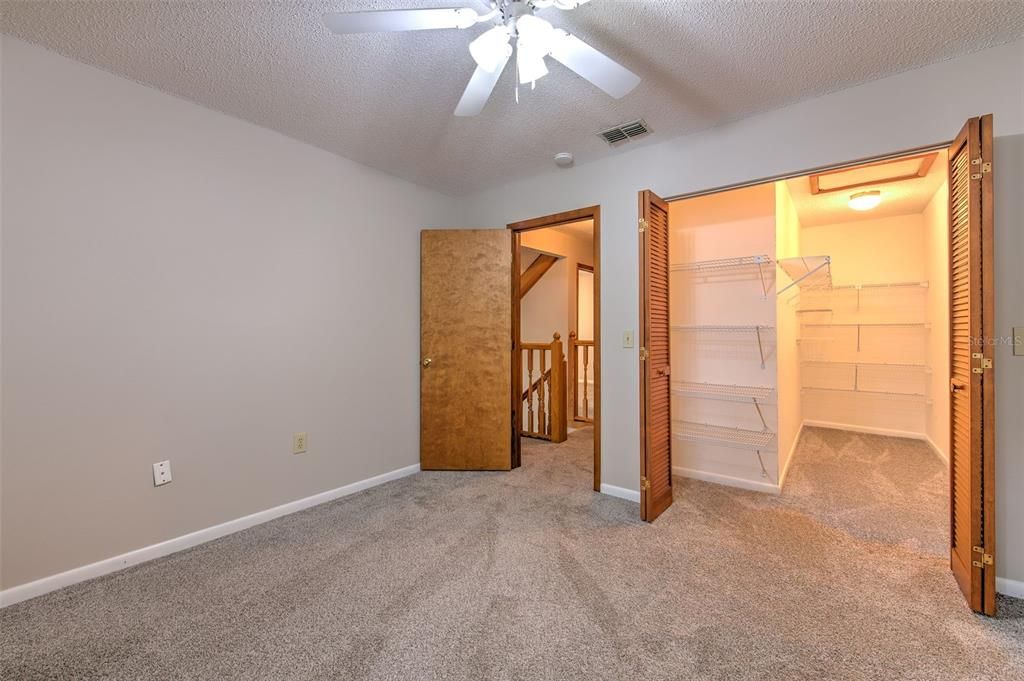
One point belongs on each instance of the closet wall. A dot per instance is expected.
(864, 341)
(724, 413)
(936, 231)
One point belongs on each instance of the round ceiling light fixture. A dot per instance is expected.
(564, 159)
(865, 200)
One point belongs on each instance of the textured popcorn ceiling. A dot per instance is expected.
(387, 100)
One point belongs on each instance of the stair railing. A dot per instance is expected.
(581, 359)
(543, 414)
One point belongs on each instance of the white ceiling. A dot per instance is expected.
(906, 197)
(387, 100)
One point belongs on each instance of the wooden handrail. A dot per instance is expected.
(536, 384)
(544, 414)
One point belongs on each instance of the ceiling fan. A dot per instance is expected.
(513, 22)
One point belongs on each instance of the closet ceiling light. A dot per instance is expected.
(865, 200)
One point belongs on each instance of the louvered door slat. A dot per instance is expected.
(655, 389)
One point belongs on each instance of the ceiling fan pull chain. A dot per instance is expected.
(517, 72)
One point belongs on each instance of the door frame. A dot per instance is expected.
(989, 432)
(592, 213)
(580, 267)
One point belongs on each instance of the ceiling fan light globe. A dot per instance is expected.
(569, 4)
(531, 66)
(491, 49)
(536, 32)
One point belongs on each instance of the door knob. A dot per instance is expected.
(426, 362)
(665, 371)
(956, 386)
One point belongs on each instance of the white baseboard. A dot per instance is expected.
(935, 448)
(621, 492)
(1010, 587)
(789, 457)
(22, 592)
(742, 483)
(869, 430)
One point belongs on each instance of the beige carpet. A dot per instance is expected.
(530, 575)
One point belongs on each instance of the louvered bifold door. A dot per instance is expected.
(655, 380)
(972, 390)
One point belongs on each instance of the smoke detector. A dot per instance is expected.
(564, 159)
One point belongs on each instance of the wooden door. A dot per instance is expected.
(972, 388)
(465, 343)
(655, 381)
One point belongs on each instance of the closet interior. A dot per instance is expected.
(819, 300)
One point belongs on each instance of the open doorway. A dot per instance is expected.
(556, 345)
(825, 337)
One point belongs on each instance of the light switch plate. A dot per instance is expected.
(1018, 341)
(627, 338)
(299, 443)
(161, 473)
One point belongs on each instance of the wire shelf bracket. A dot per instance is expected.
(807, 272)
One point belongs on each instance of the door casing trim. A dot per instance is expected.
(592, 213)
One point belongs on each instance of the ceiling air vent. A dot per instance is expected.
(624, 132)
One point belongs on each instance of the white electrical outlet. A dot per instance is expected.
(299, 443)
(627, 338)
(161, 473)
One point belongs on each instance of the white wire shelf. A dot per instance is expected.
(722, 390)
(722, 264)
(690, 431)
(923, 325)
(757, 330)
(720, 328)
(877, 393)
(897, 284)
(812, 272)
(891, 365)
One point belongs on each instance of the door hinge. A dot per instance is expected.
(984, 166)
(643, 225)
(986, 558)
(644, 354)
(983, 362)
(644, 483)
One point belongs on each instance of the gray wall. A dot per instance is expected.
(181, 285)
(1009, 229)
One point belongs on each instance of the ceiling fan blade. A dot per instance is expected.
(399, 20)
(479, 90)
(602, 71)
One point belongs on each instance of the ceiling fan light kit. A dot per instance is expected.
(515, 30)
